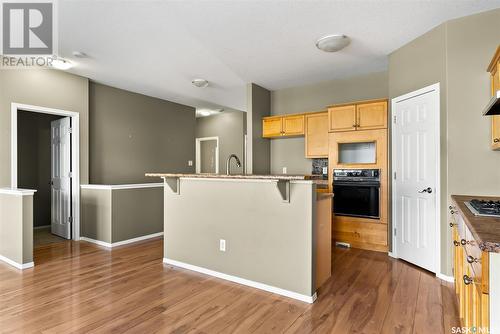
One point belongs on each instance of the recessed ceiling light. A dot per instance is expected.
(332, 43)
(200, 83)
(61, 64)
(205, 113)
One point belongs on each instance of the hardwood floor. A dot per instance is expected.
(79, 287)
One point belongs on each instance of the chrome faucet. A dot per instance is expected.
(228, 161)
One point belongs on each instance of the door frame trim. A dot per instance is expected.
(75, 155)
(428, 89)
(198, 153)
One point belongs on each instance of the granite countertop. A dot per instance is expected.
(486, 230)
(282, 177)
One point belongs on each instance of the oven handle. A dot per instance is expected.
(357, 184)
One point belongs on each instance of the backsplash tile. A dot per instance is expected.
(317, 166)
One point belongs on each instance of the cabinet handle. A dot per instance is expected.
(456, 243)
(453, 212)
(471, 259)
(468, 280)
(451, 207)
(464, 242)
(452, 224)
(496, 140)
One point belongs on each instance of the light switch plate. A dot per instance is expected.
(284, 170)
(190, 163)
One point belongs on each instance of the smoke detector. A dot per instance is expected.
(200, 83)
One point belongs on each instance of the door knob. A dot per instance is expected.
(426, 190)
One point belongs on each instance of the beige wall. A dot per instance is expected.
(456, 54)
(16, 229)
(418, 64)
(267, 240)
(471, 43)
(132, 134)
(289, 152)
(96, 214)
(45, 88)
(34, 161)
(230, 128)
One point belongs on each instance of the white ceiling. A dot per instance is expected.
(157, 47)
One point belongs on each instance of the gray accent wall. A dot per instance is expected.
(290, 152)
(230, 128)
(132, 134)
(34, 161)
(456, 54)
(114, 215)
(259, 149)
(43, 88)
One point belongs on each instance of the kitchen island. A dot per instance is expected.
(270, 232)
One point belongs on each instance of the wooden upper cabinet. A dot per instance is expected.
(316, 133)
(368, 115)
(279, 126)
(371, 116)
(293, 125)
(342, 118)
(494, 69)
(271, 127)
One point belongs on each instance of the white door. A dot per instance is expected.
(61, 177)
(415, 161)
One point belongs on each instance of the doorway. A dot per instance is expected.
(207, 155)
(45, 156)
(416, 183)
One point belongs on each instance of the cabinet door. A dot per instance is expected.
(271, 127)
(371, 115)
(495, 120)
(316, 135)
(342, 118)
(293, 125)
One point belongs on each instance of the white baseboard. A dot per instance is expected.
(445, 277)
(40, 227)
(97, 242)
(243, 281)
(15, 264)
(121, 243)
(391, 254)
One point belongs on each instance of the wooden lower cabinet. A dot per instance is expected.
(471, 286)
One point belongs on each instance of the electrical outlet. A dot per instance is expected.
(325, 170)
(284, 170)
(190, 163)
(222, 245)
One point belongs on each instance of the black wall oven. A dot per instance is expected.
(357, 193)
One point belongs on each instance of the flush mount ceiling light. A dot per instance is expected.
(332, 43)
(61, 64)
(200, 83)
